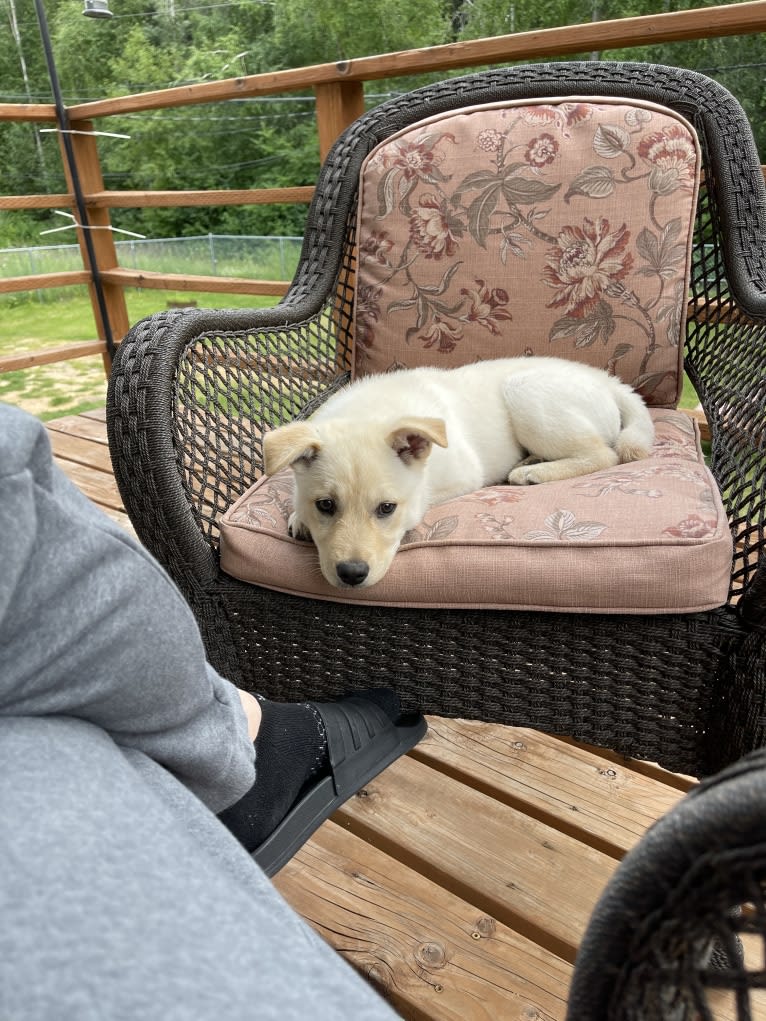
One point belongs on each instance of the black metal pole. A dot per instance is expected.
(63, 121)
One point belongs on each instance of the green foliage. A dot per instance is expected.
(267, 142)
(736, 61)
(323, 31)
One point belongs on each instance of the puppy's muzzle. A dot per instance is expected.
(352, 572)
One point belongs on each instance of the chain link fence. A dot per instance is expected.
(230, 255)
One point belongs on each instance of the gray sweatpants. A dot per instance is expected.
(121, 895)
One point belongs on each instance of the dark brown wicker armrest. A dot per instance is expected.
(141, 442)
(190, 395)
(664, 940)
(726, 333)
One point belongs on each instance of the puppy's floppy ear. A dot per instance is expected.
(412, 438)
(288, 445)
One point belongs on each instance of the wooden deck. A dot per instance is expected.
(461, 880)
(81, 449)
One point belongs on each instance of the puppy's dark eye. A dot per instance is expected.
(326, 506)
(385, 510)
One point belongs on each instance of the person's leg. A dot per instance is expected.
(92, 627)
(122, 897)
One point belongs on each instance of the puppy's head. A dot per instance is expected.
(359, 486)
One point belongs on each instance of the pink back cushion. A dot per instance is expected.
(561, 228)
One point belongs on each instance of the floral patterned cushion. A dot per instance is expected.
(562, 228)
(646, 537)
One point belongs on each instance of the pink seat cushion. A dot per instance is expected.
(646, 537)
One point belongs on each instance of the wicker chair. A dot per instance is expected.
(192, 391)
(680, 931)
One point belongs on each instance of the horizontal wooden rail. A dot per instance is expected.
(84, 349)
(28, 112)
(35, 201)
(164, 199)
(65, 353)
(167, 199)
(39, 281)
(184, 282)
(223, 197)
(676, 26)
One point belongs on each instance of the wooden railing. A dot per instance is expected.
(339, 95)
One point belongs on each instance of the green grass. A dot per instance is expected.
(51, 391)
(68, 388)
(689, 398)
(31, 325)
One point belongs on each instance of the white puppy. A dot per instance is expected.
(376, 455)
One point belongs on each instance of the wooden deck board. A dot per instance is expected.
(433, 954)
(80, 448)
(515, 868)
(601, 803)
(460, 881)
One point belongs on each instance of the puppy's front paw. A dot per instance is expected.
(296, 529)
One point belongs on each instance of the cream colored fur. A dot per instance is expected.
(376, 455)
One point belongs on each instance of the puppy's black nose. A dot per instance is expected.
(352, 572)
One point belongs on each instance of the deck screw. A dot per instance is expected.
(519, 744)
(608, 772)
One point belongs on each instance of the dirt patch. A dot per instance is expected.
(52, 391)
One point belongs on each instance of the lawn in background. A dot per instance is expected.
(68, 388)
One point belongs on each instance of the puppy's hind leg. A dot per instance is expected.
(591, 456)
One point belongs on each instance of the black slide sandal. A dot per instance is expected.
(361, 742)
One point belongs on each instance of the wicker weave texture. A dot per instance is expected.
(680, 931)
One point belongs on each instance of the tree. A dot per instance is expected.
(323, 31)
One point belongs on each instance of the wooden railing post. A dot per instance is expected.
(91, 181)
(337, 105)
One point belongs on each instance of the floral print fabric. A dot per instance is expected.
(560, 228)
